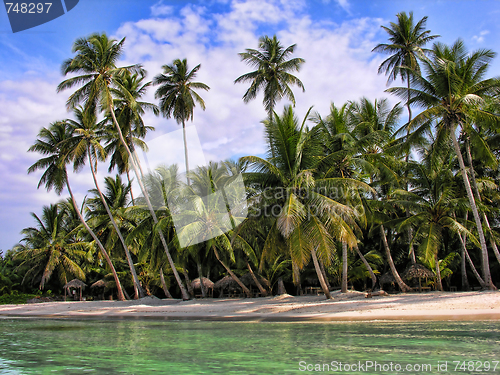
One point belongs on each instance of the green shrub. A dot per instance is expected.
(15, 298)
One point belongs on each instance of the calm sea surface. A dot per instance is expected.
(29, 346)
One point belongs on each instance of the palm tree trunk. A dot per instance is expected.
(368, 267)
(404, 288)
(164, 285)
(185, 151)
(138, 292)
(121, 297)
(323, 271)
(256, 281)
(200, 275)
(476, 191)
(131, 192)
(344, 267)
(320, 275)
(184, 293)
(472, 202)
(469, 260)
(463, 267)
(438, 274)
(235, 278)
(188, 282)
(410, 230)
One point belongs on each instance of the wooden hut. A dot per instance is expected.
(74, 284)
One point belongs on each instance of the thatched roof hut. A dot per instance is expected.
(248, 280)
(417, 271)
(387, 278)
(196, 284)
(226, 282)
(76, 284)
(98, 284)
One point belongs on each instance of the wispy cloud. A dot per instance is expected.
(480, 38)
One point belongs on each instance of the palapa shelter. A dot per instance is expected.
(207, 283)
(227, 283)
(417, 271)
(75, 284)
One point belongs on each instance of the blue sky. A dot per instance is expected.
(335, 37)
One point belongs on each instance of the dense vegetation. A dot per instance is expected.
(341, 197)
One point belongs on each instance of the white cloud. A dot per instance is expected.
(160, 9)
(480, 38)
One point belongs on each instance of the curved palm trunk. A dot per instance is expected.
(368, 267)
(138, 291)
(256, 281)
(235, 278)
(463, 268)
(131, 192)
(469, 260)
(184, 293)
(410, 230)
(202, 285)
(185, 151)
(323, 271)
(404, 288)
(164, 285)
(121, 297)
(476, 191)
(344, 268)
(188, 282)
(320, 275)
(438, 274)
(472, 202)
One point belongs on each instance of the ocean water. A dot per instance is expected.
(51, 346)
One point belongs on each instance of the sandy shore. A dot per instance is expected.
(344, 307)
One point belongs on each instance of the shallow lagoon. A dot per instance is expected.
(48, 346)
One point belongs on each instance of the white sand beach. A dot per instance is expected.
(353, 306)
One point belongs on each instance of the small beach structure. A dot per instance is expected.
(249, 281)
(76, 284)
(228, 284)
(418, 271)
(207, 283)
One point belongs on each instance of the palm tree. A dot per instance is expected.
(129, 111)
(407, 41)
(96, 58)
(50, 143)
(86, 144)
(272, 74)
(406, 46)
(49, 248)
(177, 95)
(309, 219)
(452, 93)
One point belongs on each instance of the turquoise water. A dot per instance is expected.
(158, 347)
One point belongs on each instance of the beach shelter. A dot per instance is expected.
(417, 271)
(227, 283)
(75, 284)
(207, 283)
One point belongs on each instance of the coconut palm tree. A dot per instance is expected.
(272, 74)
(86, 144)
(48, 248)
(306, 214)
(51, 143)
(406, 46)
(178, 96)
(129, 110)
(96, 58)
(451, 93)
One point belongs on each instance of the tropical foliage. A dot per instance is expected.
(358, 195)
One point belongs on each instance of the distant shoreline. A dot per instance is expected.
(351, 307)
